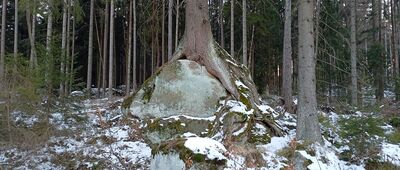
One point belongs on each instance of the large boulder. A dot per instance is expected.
(181, 88)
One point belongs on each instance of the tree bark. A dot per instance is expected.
(353, 49)
(221, 23)
(111, 54)
(232, 28)
(134, 79)
(393, 39)
(31, 23)
(68, 49)
(163, 33)
(177, 24)
(105, 47)
(287, 66)
(48, 42)
(129, 57)
(170, 5)
(307, 122)
(3, 41)
(90, 50)
(63, 44)
(244, 25)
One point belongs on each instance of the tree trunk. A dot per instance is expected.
(63, 44)
(111, 54)
(307, 122)
(163, 33)
(379, 73)
(287, 66)
(129, 57)
(15, 36)
(170, 5)
(72, 74)
(31, 22)
(232, 28)
(244, 33)
(68, 49)
(105, 47)
(221, 23)
(177, 24)
(48, 43)
(353, 49)
(3, 41)
(393, 44)
(134, 79)
(90, 50)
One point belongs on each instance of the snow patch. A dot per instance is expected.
(206, 146)
(391, 153)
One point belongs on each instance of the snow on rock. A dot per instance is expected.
(237, 106)
(240, 84)
(391, 153)
(265, 109)
(206, 146)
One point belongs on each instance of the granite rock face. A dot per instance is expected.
(182, 88)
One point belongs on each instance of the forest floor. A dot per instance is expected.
(95, 134)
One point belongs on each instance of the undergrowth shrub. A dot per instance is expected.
(363, 135)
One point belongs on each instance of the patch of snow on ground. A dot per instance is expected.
(118, 133)
(325, 158)
(128, 152)
(388, 129)
(24, 119)
(206, 146)
(391, 153)
(278, 143)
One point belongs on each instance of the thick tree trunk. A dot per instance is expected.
(170, 5)
(3, 41)
(353, 48)
(244, 25)
(287, 69)
(111, 55)
(307, 122)
(105, 47)
(232, 28)
(90, 50)
(129, 57)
